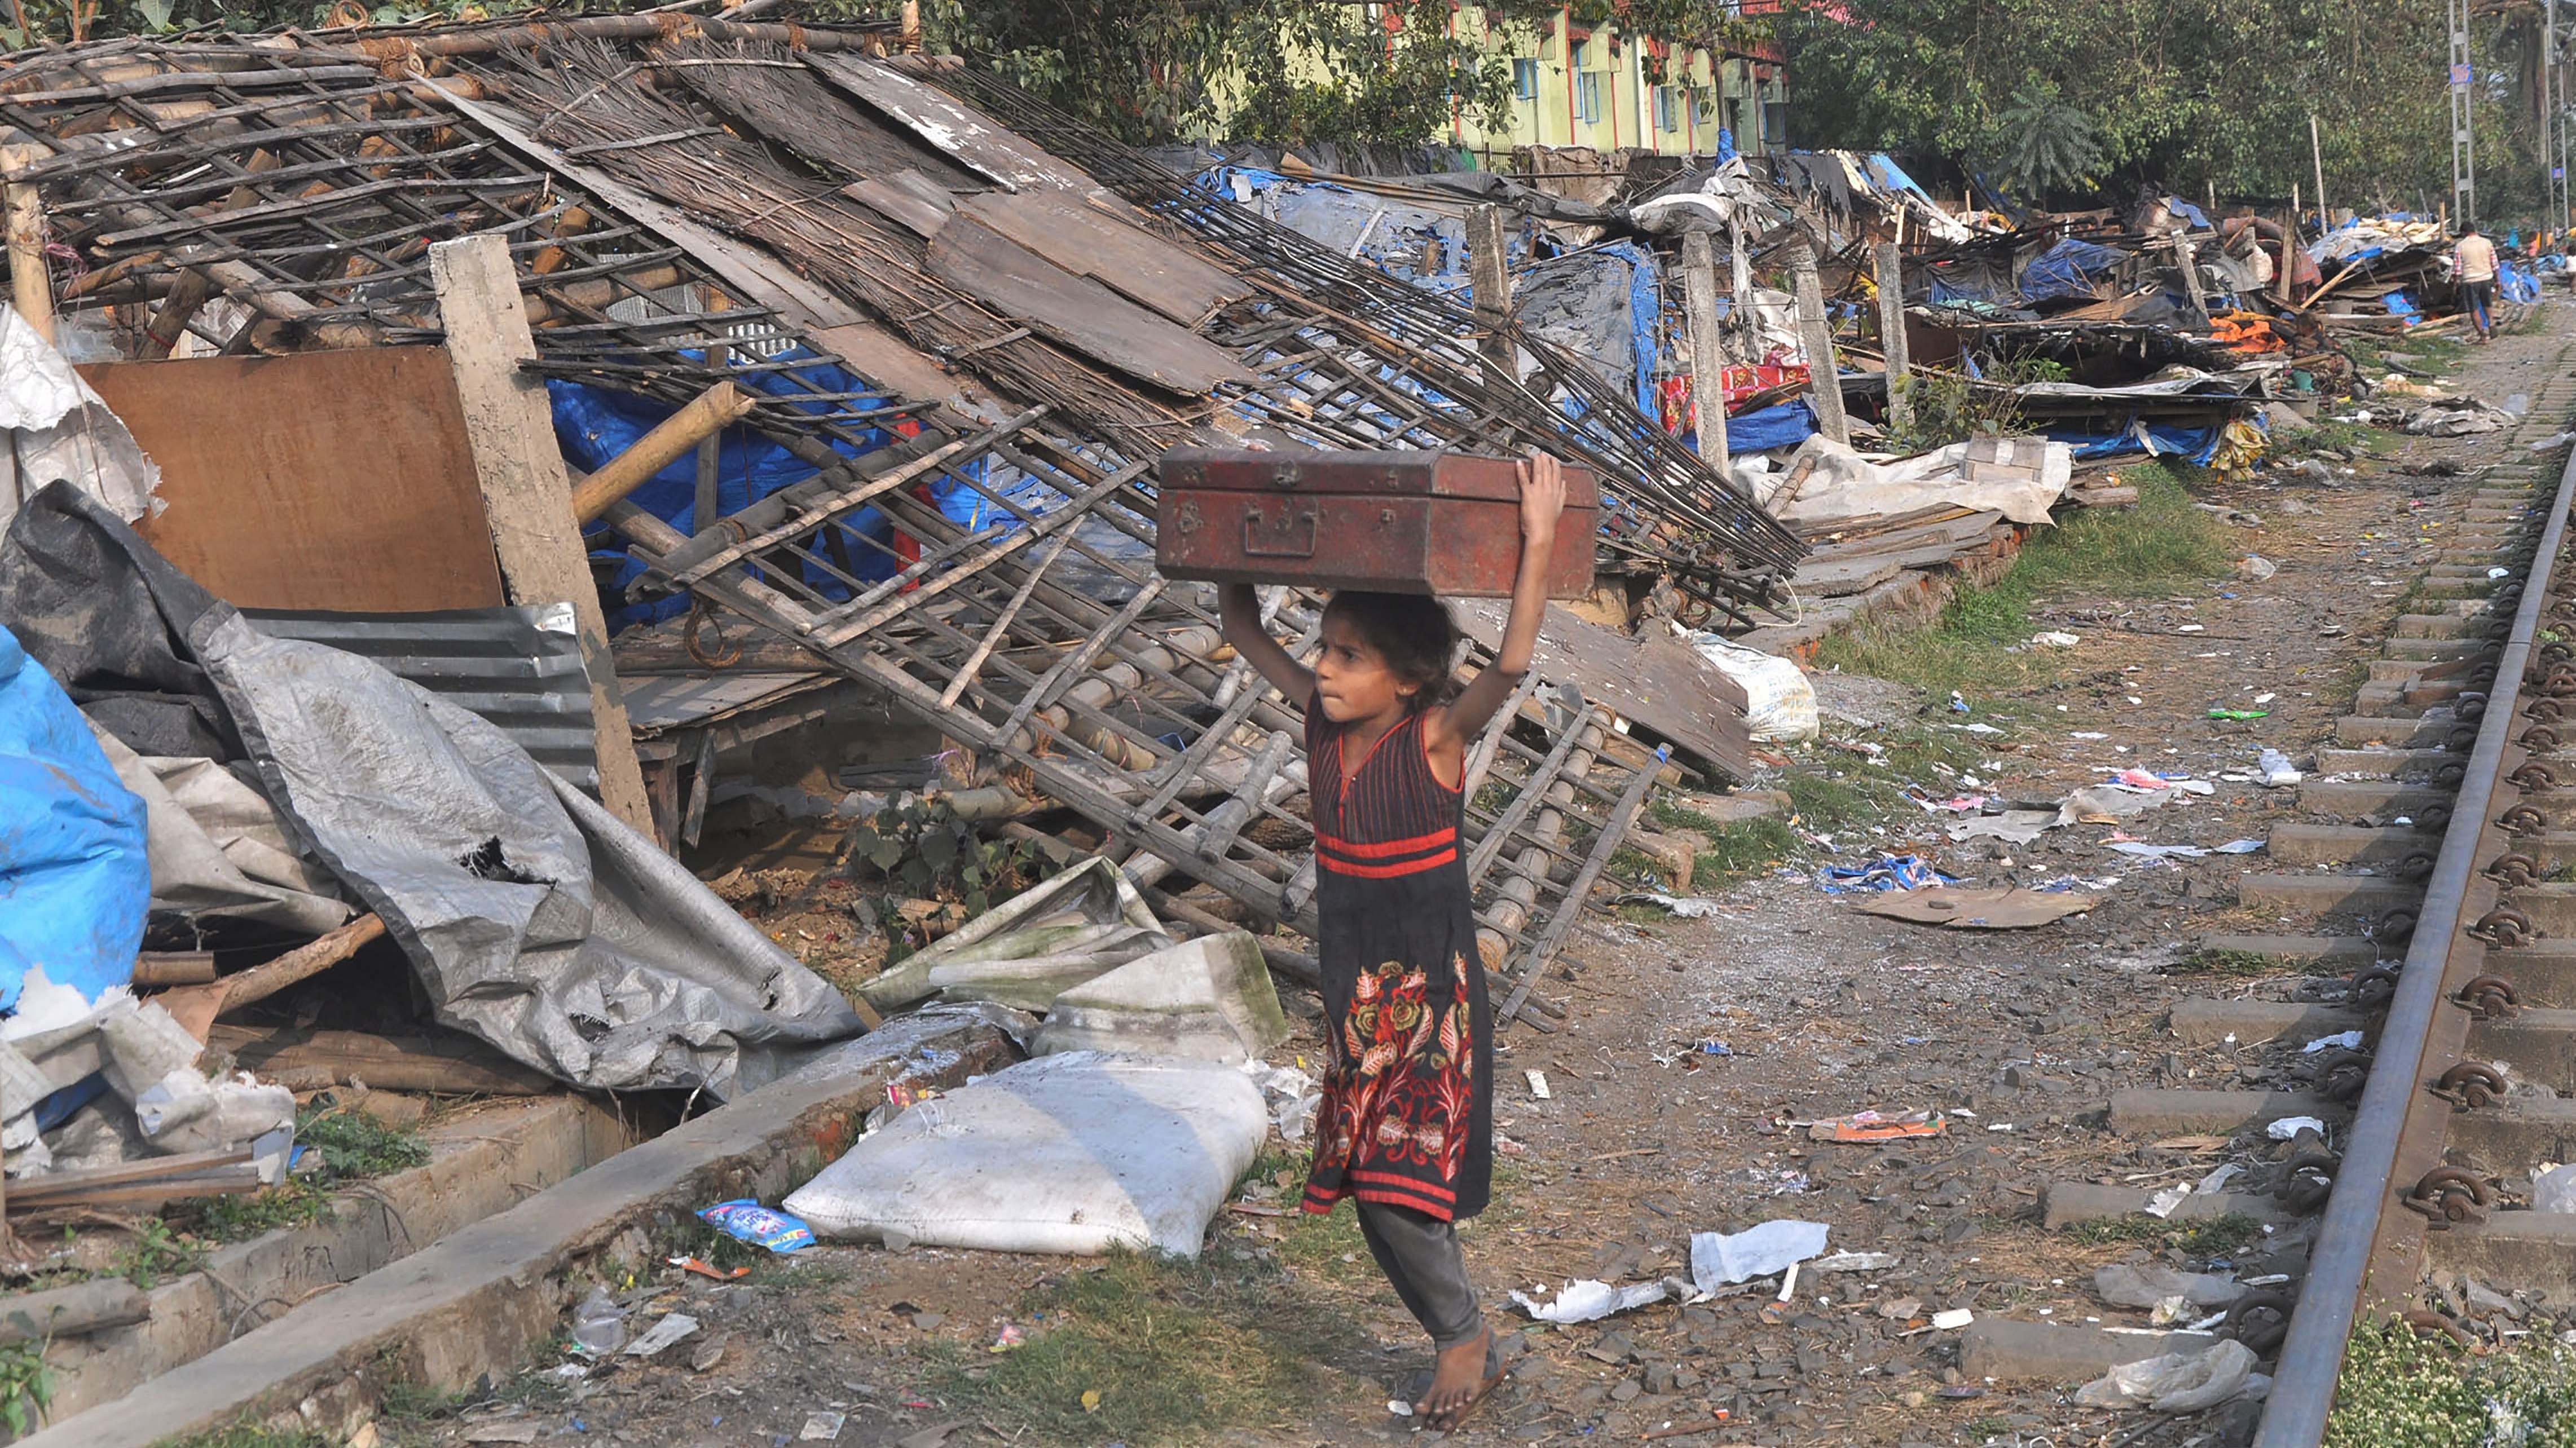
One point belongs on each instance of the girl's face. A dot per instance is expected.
(1352, 678)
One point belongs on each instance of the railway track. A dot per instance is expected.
(2446, 807)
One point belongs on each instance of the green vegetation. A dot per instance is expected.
(294, 1203)
(26, 1386)
(157, 1255)
(2161, 544)
(1148, 1349)
(2215, 1237)
(2425, 1392)
(2228, 963)
(358, 1144)
(354, 1145)
(245, 1433)
(1824, 799)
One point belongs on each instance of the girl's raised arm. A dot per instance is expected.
(1240, 609)
(1542, 481)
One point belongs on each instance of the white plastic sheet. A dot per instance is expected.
(1719, 1258)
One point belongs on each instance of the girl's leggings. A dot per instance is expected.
(1419, 1254)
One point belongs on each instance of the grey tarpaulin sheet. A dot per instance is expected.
(535, 919)
(217, 849)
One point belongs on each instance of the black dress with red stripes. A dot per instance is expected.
(1408, 1110)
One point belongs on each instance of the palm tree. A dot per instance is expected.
(2043, 144)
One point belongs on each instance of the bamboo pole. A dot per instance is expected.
(710, 413)
(30, 287)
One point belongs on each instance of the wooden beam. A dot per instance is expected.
(30, 287)
(1816, 333)
(1708, 352)
(527, 495)
(1489, 275)
(190, 290)
(1891, 335)
(703, 420)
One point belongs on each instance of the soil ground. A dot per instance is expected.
(1284, 1335)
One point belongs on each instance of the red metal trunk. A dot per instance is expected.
(1398, 522)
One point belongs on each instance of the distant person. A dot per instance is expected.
(2473, 261)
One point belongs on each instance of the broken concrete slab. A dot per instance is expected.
(483, 1298)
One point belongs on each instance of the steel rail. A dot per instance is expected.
(2364, 1196)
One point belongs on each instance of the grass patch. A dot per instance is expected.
(2423, 1392)
(1146, 1350)
(2242, 963)
(1826, 797)
(245, 1433)
(2160, 544)
(238, 1219)
(353, 1145)
(2213, 1238)
(2328, 435)
(356, 1144)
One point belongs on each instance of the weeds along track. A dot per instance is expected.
(2433, 869)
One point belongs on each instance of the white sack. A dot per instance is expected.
(1779, 703)
(1079, 1152)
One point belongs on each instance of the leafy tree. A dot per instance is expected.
(2043, 144)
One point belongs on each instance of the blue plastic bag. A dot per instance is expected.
(75, 876)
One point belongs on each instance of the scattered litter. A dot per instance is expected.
(1887, 872)
(2257, 567)
(2341, 1040)
(2278, 771)
(2124, 1284)
(1868, 1126)
(2240, 715)
(1587, 1300)
(746, 1220)
(1399, 1407)
(2554, 1190)
(1538, 1085)
(2011, 908)
(1011, 1336)
(2289, 1127)
(2056, 639)
(821, 1426)
(672, 1328)
(2193, 852)
(1688, 907)
(2182, 1382)
(598, 1324)
(2219, 1178)
(1719, 1259)
(1779, 703)
(1853, 1262)
(2162, 1204)
(701, 1268)
(1953, 1319)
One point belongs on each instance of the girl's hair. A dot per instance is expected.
(1412, 632)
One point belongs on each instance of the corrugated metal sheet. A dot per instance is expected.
(519, 668)
(659, 702)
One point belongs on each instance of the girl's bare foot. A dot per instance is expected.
(1457, 1382)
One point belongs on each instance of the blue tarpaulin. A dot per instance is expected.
(2067, 270)
(595, 424)
(75, 877)
(1763, 429)
(2516, 285)
(2192, 444)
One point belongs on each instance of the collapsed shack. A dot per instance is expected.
(973, 354)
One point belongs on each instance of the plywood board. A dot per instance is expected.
(321, 480)
(1127, 259)
(947, 126)
(1076, 311)
(1659, 684)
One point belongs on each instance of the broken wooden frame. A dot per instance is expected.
(302, 189)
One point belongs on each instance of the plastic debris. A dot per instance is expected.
(1869, 1126)
(1688, 907)
(1854, 1262)
(2177, 1382)
(598, 1324)
(2289, 1127)
(2257, 567)
(700, 1268)
(1721, 1258)
(2277, 770)
(2554, 1190)
(2055, 639)
(748, 1221)
(2341, 1040)
(672, 1328)
(821, 1426)
(1887, 872)
(1538, 1085)
(1586, 1300)
(2240, 715)
(1953, 1319)
(2145, 1285)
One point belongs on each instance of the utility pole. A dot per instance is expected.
(2553, 175)
(1708, 352)
(2464, 179)
(1816, 337)
(2317, 155)
(1489, 275)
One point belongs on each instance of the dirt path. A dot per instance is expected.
(1285, 1335)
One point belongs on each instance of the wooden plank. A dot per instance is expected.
(947, 126)
(321, 480)
(1077, 311)
(1657, 683)
(1127, 259)
(897, 205)
(527, 495)
(452, 1064)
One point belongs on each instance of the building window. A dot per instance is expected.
(1587, 95)
(1525, 79)
(1668, 108)
(1775, 123)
